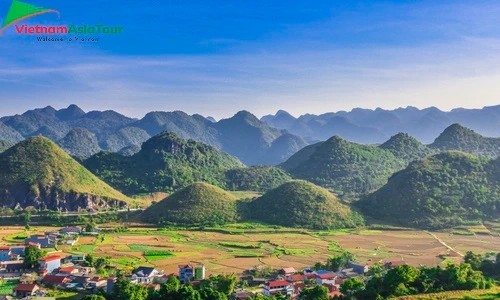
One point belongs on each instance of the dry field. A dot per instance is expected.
(224, 252)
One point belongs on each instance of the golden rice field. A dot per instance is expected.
(236, 249)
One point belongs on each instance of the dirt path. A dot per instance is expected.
(444, 244)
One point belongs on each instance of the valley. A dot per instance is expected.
(226, 249)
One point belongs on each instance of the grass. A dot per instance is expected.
(490, 294)
(87, 248)
(152, 255)
(241, 245)
(139, 247)
(6, 286)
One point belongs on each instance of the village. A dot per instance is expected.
(75, 273)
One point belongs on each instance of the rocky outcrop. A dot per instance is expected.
(53, 199)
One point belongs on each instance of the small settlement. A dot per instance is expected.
(71, 272)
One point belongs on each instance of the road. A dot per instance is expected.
(444, 244)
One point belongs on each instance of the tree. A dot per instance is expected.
(339, 261)
(376, 270)
(126, 290)
(89, 259)
(319, 292)
(31, 256)
(351, 286)
(399, 279)
(473, 259)
(188, 293)
(94, 297)
(211, 294)
(90, 227)
(169, 290)
(100, 263)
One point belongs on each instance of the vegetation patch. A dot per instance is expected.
(241, 245)
(152, 255)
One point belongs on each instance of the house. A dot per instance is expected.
(110, 283)
(296, 278)
(23, 290)
(278, 287)
(45, 241)
(287, 271)
(75, 258)
(97, 282)
(55, 280)
(5, 253)
(392, 264)
(14, 266)
(324, 277)
(332, 290)
(145, 275)
(49, 263)
(66, 271)
(358, 268)
(186, 273)
(71, 230)
(16, 252)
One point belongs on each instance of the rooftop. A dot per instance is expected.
(277, 283)
(49, 258)
(23, 287)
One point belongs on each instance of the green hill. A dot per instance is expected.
(80, 142)
(36, 172)
(4, 145)
(259, 179)
(347, 168)
(457, 137)
(406, 147)
(165, 163)
(198, 203)
(443, 190)
(300, 203)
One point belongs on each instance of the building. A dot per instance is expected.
(110, 283)
(191, 272)
(199, 272)
(9, 253)
(97, 282)
(287, 271)
(75, 258)
(44, 240)
(55, 280)
(71, 230)
(296, 278)
(14, 266)
(278, 287)
(324, 277)
(186, 273)
(145, 275)
(358, 268)
(66, 271)
(49, 263)
(25, 290)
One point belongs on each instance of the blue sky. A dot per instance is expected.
(218, 57)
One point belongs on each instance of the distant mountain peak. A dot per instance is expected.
(70, 113)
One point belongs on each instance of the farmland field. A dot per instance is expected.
(236, 248)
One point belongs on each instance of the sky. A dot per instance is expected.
(218, 57)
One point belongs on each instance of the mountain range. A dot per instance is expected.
(454, 180)
(368, 126)
(84, 134)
